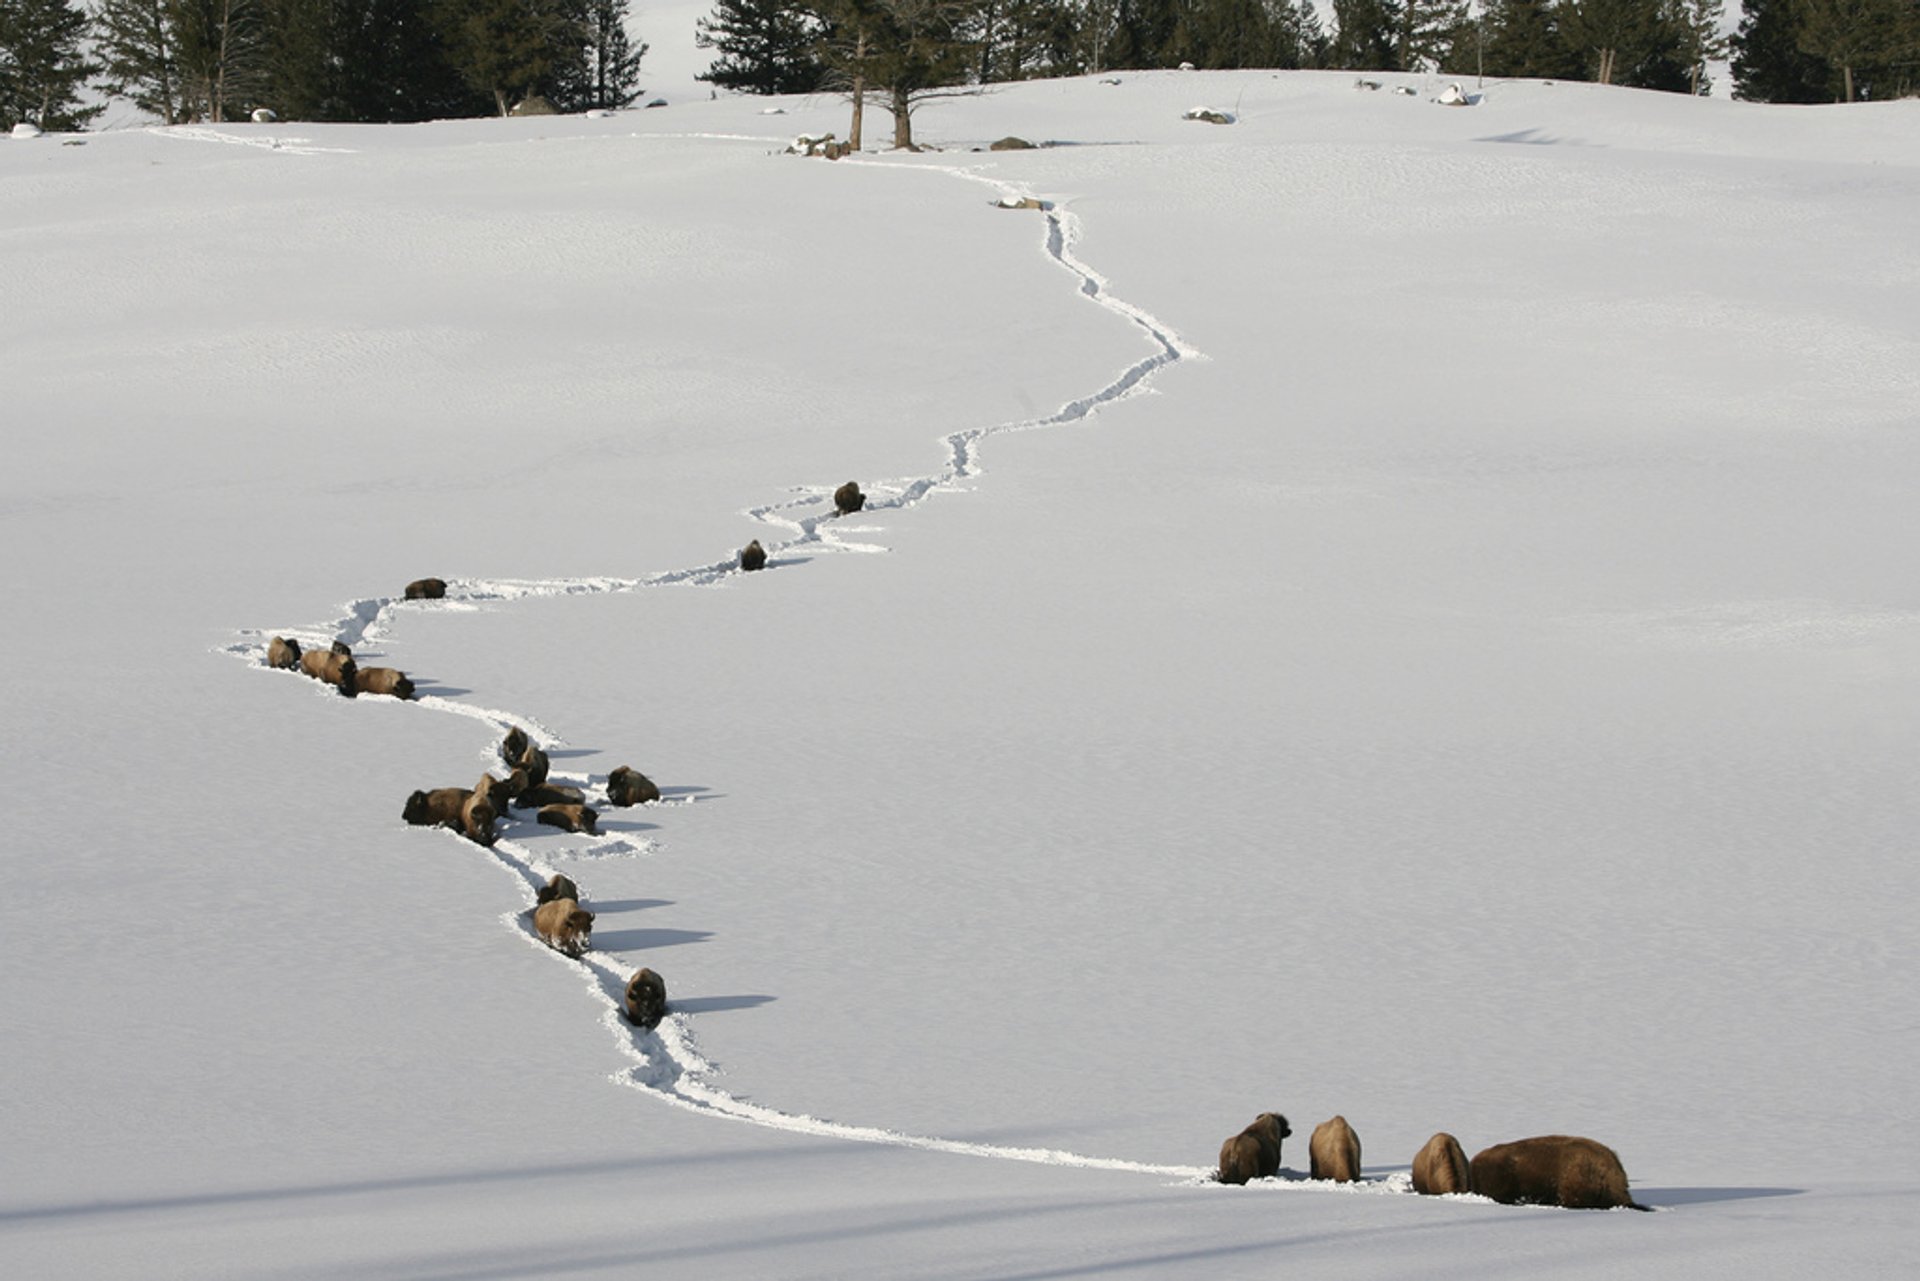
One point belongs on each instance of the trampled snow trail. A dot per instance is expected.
(666, 1064)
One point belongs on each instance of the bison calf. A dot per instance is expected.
(426, 589)
(570, 818)
(848, 499)
(383, 680)
(646, 1002)
(564, 924)
(1334, 1152)
(630, 787)
(1554, 1169)
(1254, 1153)
(1441, 1168)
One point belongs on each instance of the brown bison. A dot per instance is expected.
(455, 807)
(848, 499)
(1554, 1169)
(1334, 1152)
(564, 924)
(426, 589)
(557, 886)
(630, 787)
(499, 792)
(1254, 1153)
(390, 681)
(514, 745)
(1441, 1168)
(646, 1002)
(570, 818)
(283, 652)
(753, 556)
(337, 670)
(549, 794)
(535, 763)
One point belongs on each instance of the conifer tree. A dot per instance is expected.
(1854, 35)
(606, 71)
(43, 65)
(1697, 23)
(764, 46)
(510, 49)
(1768, 63)
(1365, 35)
(1522, 39)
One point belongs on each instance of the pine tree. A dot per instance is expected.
(138, 56)
(765, 46)
(510, 49)
(1365, 33)
(1768, 63)
(1426, 30)
(42, 65)
(1698, 25)
(1612, 34)
(606, 74)
(1522, 39)
(1854, 35)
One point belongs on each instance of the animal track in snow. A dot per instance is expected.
(666, 1062)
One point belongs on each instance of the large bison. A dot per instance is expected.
(848, 499)
(753, 556)
(1334, 1152)
(456, 807)
(1254, 1153)
(331, 668)
(426, 589)
(564, 925)
(646, 999)
(1554, 1169)
(390, 681)
(283, 652)
(630, 787)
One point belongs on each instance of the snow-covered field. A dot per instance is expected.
(1377, 608)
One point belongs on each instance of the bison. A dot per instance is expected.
(514, 745)
(646, 1001)
(753, 556)
(848, 499)
(456, 807)
(1554, 1169)
(1441, 1168)
(283, 652)
(337, 670)
(549, 794)
(1334, 1152)
(564, 925)
(570, 818)
(1254, 1153)
(630, 787)
(382, 680)
(557, 886)
(535, 763)
(426, 589)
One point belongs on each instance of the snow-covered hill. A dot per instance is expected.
(1376, 608)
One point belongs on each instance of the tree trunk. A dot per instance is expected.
(902, 121)
(1846, 76)
(859, 91)
(500, 100)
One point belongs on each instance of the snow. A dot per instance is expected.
(1377, 610)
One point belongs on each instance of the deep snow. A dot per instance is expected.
(1357, 615)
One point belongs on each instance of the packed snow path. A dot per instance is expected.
(666, 1062)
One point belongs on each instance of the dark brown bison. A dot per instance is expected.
(557, 886)
(1334, 1152)
(564, 924)
(646, 1002)
(534, 762)
(570, 818)
(630, 787)
(1441, 1168)
(549, 794)
(341, 648)
(848, 499)
(499, 792)
(390, 681)
(1254, 1153)
(1554, 1169)
(753, 556)
(337, 670)
(283, 652)
(514, 745)
(455, 807)
(426, 589)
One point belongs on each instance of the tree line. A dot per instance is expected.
(335, 60)
(405, 60)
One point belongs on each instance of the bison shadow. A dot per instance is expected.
(1663, 1197)
(645, 940)
(714, 1004)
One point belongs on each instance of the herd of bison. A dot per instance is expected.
(1555, 1169)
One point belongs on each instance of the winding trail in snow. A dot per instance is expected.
(666, 1063)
